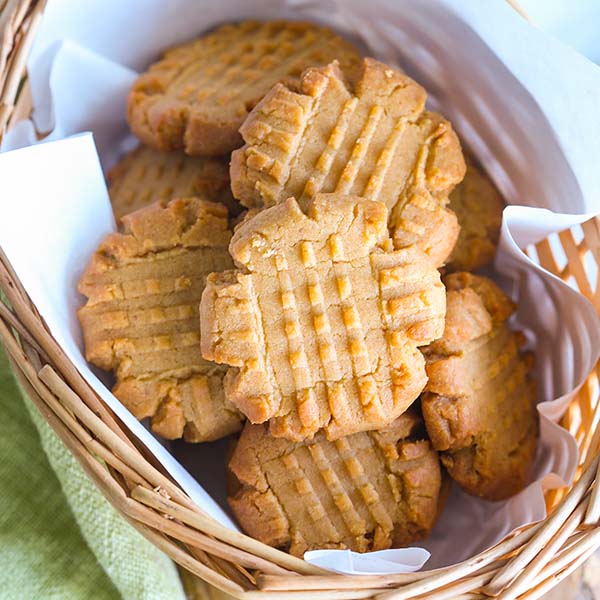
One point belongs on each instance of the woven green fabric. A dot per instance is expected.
(59, 537)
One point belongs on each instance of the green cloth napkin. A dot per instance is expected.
(59, 537)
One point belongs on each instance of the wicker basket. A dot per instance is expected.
(525, 565)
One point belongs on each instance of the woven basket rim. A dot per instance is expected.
(527, 564)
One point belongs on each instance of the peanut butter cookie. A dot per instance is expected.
(480, 405)
(372, 139)
(197, 96)
(478, 206)
(143, 287)
(322, 321)
(368, 491)
(145, 176)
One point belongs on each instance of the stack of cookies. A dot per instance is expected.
(297, 235)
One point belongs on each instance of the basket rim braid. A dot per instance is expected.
(525, 565)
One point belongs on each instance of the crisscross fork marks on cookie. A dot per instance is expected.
(359, 151)
(145, 176)
(312, 290)
(237, 64)
(357, 344)
(322, 324)
(354, 522)
(372, 139)
(374, 188)
(319, 389)
(304, 488)
(422, 220)
(238, 338)
(198, 95)
(367, 491)
(316, 182)
(284, 55)
(303, 378)
(417, 209)
(363, 483)
(408, 304)
(141, 318)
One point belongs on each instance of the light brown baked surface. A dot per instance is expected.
(140, 320)
(369, 491)
(322, 321)
(478, 207)
(372, 139)
(145, 176)
(196, 97)
(479, 407)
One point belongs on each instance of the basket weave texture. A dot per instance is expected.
(526, 565)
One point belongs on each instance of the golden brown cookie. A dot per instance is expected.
(480, 405)
(143, 287)
(321, 323)
(478, 206)
(368, 491)
(373, 139)
(197, 96)
(145, 176)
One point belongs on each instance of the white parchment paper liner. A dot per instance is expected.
(539, 150)
(381, 562)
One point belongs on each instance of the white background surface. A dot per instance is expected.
(575, 22)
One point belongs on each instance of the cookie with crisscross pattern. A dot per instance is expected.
(368, 491)
(322, 322)
(197, 96)
(145, 176)
(143, 288)
(480, 405)
(372, 138)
